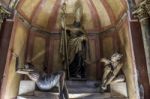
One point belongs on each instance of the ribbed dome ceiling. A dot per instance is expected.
(98, 14)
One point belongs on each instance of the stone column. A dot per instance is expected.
(143, 13)
(1, 21)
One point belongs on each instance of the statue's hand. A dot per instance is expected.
(83, 38)
(87, 61)
(106, 61)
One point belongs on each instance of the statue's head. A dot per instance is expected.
(29, 67)
(78, 10)
(64, 6)
(116, 57)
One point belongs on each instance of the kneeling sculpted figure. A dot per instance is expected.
(45, 81)
(111, 70)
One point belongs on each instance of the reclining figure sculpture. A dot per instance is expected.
(111, 70)
(45, 82)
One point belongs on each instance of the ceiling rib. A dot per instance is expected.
(94, 13)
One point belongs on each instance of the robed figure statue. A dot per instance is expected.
(73, 46)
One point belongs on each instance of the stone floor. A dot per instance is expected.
(77, 90)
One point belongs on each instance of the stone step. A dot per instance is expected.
(48, 95)
(35, 97)
(81, 83)
(83, 90)
(74, 95)
(56, 97)
(78, 90)
(82, 86)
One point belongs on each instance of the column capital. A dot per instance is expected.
(143, 10)
(147, 6)
(4, 13)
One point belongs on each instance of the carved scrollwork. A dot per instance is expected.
(147, 6)
(143, 10)
(4, 13)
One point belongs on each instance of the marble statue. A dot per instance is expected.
(73, 46)
(45, 82)
(111, 70)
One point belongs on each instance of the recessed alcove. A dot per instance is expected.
(35, 37)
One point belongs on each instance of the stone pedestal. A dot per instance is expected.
(119, 90)
(26, 87)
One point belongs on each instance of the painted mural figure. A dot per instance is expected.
(45, 82)
(75, 46)
(111, 70)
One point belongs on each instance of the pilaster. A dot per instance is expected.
(143, 14)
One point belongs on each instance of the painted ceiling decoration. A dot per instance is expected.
(98, 14)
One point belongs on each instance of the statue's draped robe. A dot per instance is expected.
(48, 81)
(76, 49)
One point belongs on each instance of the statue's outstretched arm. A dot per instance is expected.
(105, 60)
(20, 70)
